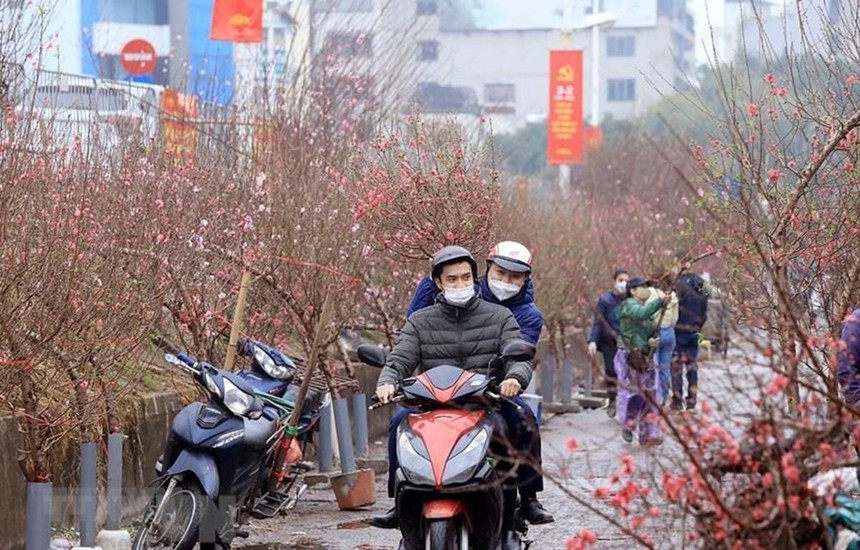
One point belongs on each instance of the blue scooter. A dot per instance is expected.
(218, 459)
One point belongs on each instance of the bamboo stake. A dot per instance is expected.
(236, 325)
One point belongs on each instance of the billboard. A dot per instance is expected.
(564, 123)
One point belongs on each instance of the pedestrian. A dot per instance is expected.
(636, 365)
(848, 368)
(666, 319)
(604, 332)
(507, 282)
(692, 292)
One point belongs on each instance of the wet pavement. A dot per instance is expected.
(572, 478)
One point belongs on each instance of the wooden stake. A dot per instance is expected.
(236, 326)
(325, 315)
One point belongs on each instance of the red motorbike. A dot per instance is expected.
(451, 452)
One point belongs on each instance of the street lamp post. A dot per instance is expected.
(594, 21)
(595, 61)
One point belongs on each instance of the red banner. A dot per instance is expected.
(593, 137)
(178, 117)
(237, 21)
(564, 124)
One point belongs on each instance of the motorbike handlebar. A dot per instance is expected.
(187, 359)
(498, 397)
(378, 404)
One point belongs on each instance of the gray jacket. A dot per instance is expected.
(467, 337)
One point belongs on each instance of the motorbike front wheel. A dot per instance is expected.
(447, 534)
(179, 524)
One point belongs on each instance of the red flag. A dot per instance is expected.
(564, 125)
(237, 21)
(593, 137)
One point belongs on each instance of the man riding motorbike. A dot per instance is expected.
(507, 282)
(463, 330)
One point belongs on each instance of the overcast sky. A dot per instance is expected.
(539, 13)
(519, 13)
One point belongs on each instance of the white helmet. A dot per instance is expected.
(512, 256)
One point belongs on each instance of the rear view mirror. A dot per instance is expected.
(518, 350)
(371, 355)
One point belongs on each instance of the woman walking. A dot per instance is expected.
(636, 365)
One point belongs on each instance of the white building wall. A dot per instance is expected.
(46, 33)
(521, 58)
(272, 66)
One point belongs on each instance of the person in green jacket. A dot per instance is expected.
(636, 365)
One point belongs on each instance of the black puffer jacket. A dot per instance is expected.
(467, 337)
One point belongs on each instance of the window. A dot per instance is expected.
(431, 97)
(142, 12)
(500, 99)
(343, 5)
(621, 89)
(428, 50)
(349, 44)
(500, 93)
(279, 38)
(620, 46)
(426, 7)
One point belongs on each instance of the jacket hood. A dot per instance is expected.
(526, 295)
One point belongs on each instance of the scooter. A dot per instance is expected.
(449, 492)
(272, 374)
(224, 461)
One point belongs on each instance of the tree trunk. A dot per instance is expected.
(787, 333)
(34, 461)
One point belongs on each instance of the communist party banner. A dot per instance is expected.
(178, 116)
(237, 21)
(564, 125)
(593, 137)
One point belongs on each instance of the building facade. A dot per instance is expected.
(88, 36)
(645, 54)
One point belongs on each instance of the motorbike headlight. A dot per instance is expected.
(237, 401)
(462, 467)
(211, 385)
(415, 466)
(276, 371)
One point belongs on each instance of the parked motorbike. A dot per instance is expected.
(448, 489)
(228, 459)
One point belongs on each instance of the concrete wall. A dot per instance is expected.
(142, 447)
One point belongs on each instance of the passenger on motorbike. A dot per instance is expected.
(507, 282)
(463, 330)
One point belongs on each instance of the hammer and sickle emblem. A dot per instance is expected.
(565, 73)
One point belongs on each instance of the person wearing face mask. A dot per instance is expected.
(508, 282)
(459, 329)
(604, 332)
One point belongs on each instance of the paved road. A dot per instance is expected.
(317, 524)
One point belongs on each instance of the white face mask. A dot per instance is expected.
(621, 287)
(459, 296)
(503, 290)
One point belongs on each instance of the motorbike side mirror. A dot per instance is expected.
(371, 355)
(518, 350)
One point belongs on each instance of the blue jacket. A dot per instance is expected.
(522, 305)
(605, 326)
(848, 369)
